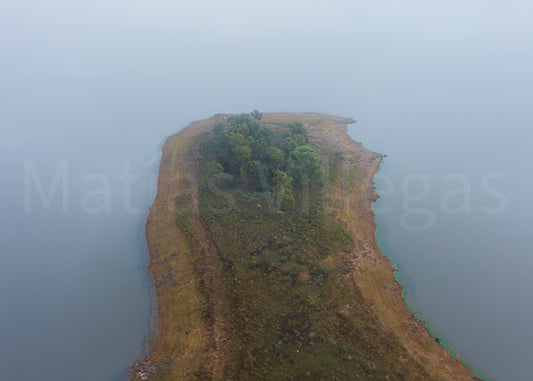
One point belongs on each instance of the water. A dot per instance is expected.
(88, 92)
(454, 215)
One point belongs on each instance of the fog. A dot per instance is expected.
(89, 91)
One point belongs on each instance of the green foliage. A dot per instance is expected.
(214, 167)
(300, 139)
(282, 190)
(297, 128)
(289, 144)
(256, 115)
(304, 166)
(262, 158)
(259, 148)
(275, 158)
(241, 152)
(280, 179)
(245, 125)
(288, 202)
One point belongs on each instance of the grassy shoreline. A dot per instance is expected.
(191, 346)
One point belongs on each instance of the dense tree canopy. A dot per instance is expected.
(265, 158)
(304, 165)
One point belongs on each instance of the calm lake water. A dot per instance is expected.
(88, 93)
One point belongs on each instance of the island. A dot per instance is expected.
(265, 263)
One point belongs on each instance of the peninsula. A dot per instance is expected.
(265, 262)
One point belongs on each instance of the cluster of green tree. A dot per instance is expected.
(265, 158)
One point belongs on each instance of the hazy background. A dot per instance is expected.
(89, 91)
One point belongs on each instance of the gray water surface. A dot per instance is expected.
(89, 91)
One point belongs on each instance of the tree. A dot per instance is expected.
(241, 153)
(289, 144)
(259, 148)
(214, 167)
(256, 154)
(282, 190)
(304, 166)
(256, 115)
(275, 158)
(297, 128)
(254, 175)
(300, 139)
